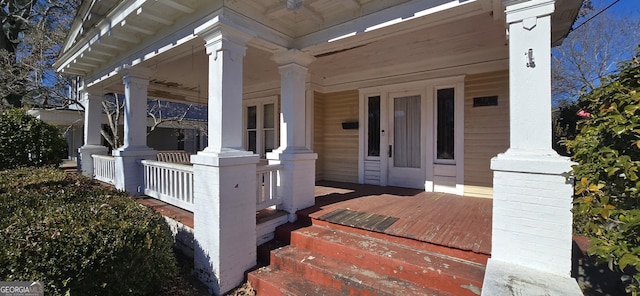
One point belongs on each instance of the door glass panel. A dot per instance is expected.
(445, 129)
(373, 133)
(406, 132)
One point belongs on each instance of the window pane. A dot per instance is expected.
(268, 121)
(406, 132)
(251, 141)
(252, 117)
(445, 146)
(269, 142)
(374, 127)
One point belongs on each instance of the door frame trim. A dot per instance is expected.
(427, 89)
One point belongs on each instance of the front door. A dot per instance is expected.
(405, 151)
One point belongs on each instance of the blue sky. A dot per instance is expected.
(628, 8)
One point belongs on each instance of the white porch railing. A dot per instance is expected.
(169, 182)
(267, 186)
(104, 168)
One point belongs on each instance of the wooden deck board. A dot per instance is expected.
(443, 219)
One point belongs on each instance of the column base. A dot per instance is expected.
(503, 278)
(224, 218)
(297, 179)
(129, 173)
(532, 219)
(85, 164)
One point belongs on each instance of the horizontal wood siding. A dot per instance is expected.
(486, 131)
(340, 146)
(318, 133)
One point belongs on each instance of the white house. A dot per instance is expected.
(411, 93)
(187, 135)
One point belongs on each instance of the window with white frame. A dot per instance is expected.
(261, 134)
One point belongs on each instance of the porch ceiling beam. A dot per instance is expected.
(73, 71)
(84, 63)
(90, 58)
(129, 26)
(153, 16)
(99, 51)
(177, 5)
(81, 67)
(123, 37)
(103, 44)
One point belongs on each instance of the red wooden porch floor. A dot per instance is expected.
(442, 219)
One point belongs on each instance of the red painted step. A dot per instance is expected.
(423, 267)
(270, 281)
(342, 278)
(339, 260)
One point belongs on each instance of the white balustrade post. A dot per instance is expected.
(128, 169)
(92, 101)
(297, 178)
(532, 219)
(224, 174)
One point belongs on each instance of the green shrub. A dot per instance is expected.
(27, 141)
(607, 149)
(79, 238)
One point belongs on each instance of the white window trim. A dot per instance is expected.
(259, 104)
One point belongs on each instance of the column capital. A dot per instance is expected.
(135, 72)
(293, 71)
(293, 56)
(529, 9)
(92, 92)
(220, 36)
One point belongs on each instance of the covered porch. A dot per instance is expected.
(378, 92)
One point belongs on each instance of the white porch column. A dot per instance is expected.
(297, 179)
(224, 173)
(532, 219)
(128, 170)
(92, 101)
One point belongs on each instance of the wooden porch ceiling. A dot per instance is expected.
(109, 34)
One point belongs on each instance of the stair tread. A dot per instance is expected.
(269, 281)
(345, 277)
(368, 245)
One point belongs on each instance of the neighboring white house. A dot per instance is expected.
(187, 134)
(410, 93)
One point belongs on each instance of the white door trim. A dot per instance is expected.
(428, 89)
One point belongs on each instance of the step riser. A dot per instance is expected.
(263, 287)
(439, 273)
(341, 285)
(343, 278)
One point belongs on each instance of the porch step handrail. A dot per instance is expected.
(169, 182)
(104, 168)
(267, 186)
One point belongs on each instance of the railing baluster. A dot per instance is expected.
(169, 182)
(267, 186)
